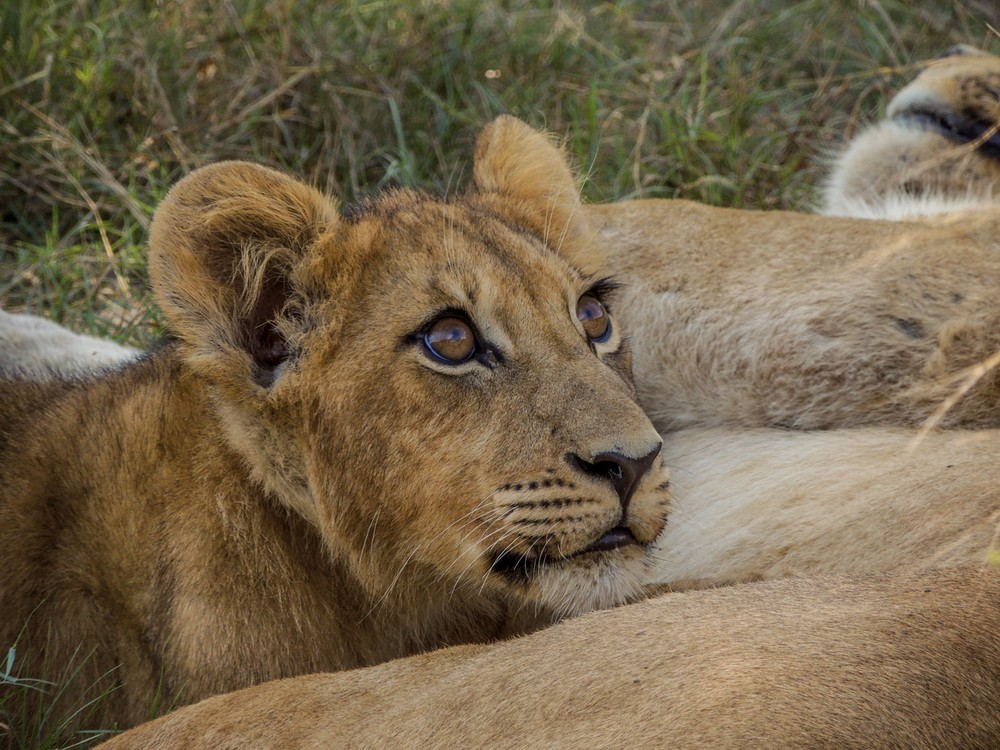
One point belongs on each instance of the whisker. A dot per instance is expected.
(505, 533)
(371, 530)
(497, 559)
(489, 570)
(483, 525)
(381, 601)
(392, 583)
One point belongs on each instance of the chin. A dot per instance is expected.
(579, 585)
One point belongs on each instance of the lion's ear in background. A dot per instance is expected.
(224, 247)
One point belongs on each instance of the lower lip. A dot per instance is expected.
(614, 539)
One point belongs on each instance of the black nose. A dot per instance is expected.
(623, 472)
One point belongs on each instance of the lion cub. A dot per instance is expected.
(376, 432)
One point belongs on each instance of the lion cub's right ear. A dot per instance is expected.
(225, 247)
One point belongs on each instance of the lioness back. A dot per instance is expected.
(788, 320)
(376, 432)
(876, 662)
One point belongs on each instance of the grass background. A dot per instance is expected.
(105, 103)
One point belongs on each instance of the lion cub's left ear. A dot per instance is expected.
(520, 163)
(229, 250)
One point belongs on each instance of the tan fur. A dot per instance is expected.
(854, 322)
(764, 504)
(808, 336)
(294, 484)
(882, 662)
(759, 503)
(777, 319)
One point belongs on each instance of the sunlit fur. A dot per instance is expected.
(877, 662)
(294, 483)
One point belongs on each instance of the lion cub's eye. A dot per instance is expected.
(451, 340)
(592, 314)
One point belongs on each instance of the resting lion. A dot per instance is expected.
(299, 461)
(908, 661)
(742, 318)
(764, 503)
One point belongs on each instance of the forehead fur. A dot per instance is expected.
(458, 245)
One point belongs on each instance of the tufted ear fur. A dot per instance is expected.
(225, 246)
(520, 163)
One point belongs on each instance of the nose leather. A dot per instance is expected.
(623, 472)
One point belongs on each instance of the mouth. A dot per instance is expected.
(960, 127)
(617, 537)
(522, 566)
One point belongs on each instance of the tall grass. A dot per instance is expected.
(105, 103)
(36, 714)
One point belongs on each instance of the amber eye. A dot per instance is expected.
(592, 314)
(451, 340)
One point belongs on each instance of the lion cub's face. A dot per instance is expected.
(438, 385)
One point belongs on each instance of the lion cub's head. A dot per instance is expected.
(437, 384)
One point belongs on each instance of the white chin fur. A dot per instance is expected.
(577, 587)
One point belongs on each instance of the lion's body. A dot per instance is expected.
(169, 562)
(852, 322)
(881, 662)
(764, 504)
